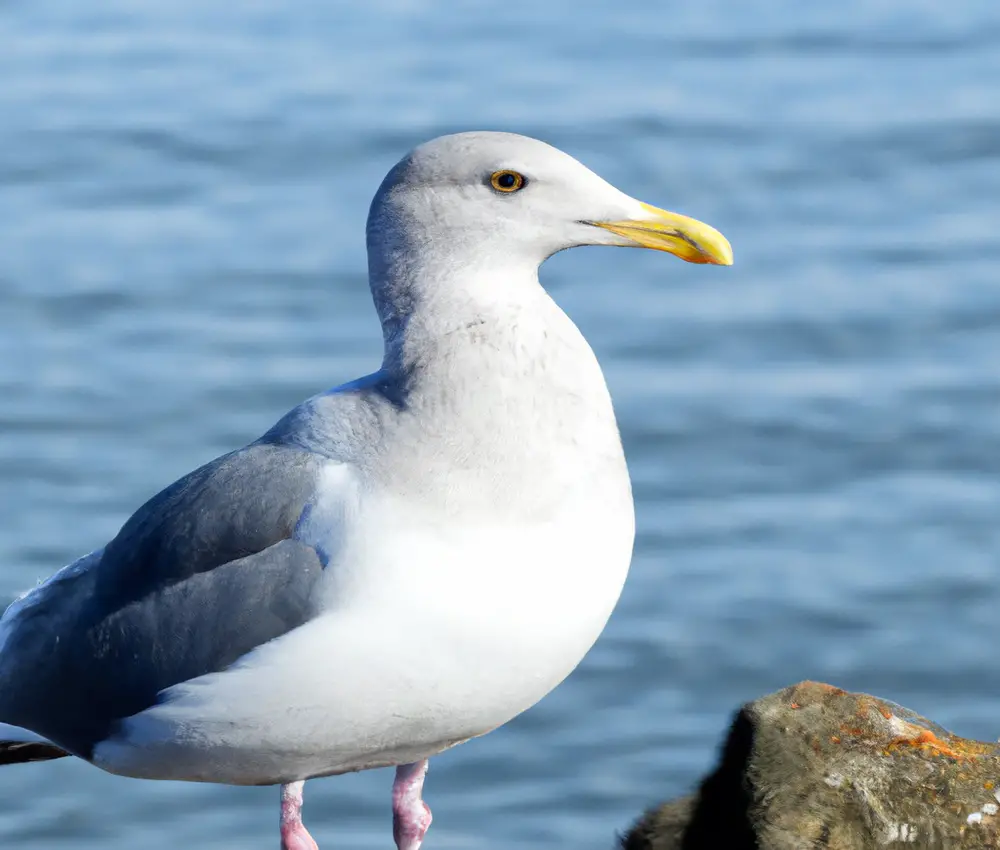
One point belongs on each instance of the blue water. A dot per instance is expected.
(814, 434)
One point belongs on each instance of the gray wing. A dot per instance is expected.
(201, 574)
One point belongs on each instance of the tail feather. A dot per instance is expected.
(18, 752)
(18, 745)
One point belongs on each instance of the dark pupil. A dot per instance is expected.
(507, 181)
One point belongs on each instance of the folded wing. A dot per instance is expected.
(203, 573)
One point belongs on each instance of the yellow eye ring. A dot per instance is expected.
(507, 181)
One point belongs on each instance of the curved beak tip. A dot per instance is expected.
(723, 255)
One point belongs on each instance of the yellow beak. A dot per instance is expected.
(676, 234)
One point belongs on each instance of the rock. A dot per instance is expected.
(813, 766)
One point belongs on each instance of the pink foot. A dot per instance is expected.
(410, 814)
(294, 836)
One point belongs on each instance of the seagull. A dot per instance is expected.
(401, 563)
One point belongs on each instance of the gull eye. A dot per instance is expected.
(507, 181)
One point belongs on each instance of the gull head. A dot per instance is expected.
(501, 199)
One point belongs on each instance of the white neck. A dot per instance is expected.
(505, 375)
(431, 303)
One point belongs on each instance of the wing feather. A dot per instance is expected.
(203, 573)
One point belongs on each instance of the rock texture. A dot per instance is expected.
(813, 766)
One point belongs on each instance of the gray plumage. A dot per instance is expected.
(201, 574)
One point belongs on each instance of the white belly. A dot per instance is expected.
(426, 640)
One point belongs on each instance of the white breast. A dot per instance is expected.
(471, 567)
(430, 636)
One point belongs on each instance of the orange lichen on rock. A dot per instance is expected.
(928, 742)
(846, 772)
(822, 687)
(866, 704)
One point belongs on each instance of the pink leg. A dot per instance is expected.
(410, 814)
(294, 836)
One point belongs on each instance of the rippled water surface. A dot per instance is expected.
(814, 434)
